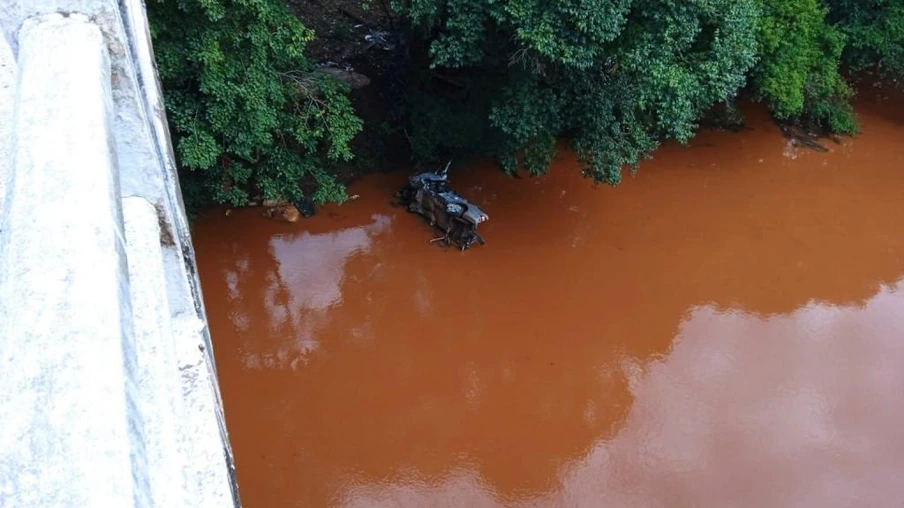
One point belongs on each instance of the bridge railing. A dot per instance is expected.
(108, 389)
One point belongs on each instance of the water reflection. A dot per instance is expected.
(799, 409)
(318, 262)
(298, 295)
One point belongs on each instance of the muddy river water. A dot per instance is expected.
(726, 328)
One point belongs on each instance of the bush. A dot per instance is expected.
(613, 76)
(875, 32)
(798, 70)
(503, 78)
(249, 113)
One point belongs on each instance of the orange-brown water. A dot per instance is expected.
(724, 329)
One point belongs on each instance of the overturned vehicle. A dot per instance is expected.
(428, 195)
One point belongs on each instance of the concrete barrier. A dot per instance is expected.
(8, 75)
(108, 387)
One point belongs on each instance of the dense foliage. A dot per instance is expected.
(613, 76)
(798, 72)
(248, 112)
(504, 78)
(875, 34)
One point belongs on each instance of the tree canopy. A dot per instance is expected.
(798, 72)
(875, 34)
(507, 79)
(249, 113)
(614, 77)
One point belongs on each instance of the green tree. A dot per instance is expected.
(249, 113)
(614, 77)
(798, 72)
(875, 32)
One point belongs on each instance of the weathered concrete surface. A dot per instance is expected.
(175, 386)
(200, 444)
(183, 285)
(7, 99)
(66, 360)
(176, 447)
(160, 404)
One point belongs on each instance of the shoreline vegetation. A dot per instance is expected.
(273, 103)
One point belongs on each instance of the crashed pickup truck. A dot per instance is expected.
(428, 195)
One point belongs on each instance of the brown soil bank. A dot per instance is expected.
(724, 329)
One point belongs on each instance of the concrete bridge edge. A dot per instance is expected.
(190, 424)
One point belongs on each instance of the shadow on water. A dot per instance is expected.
(721, 321)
